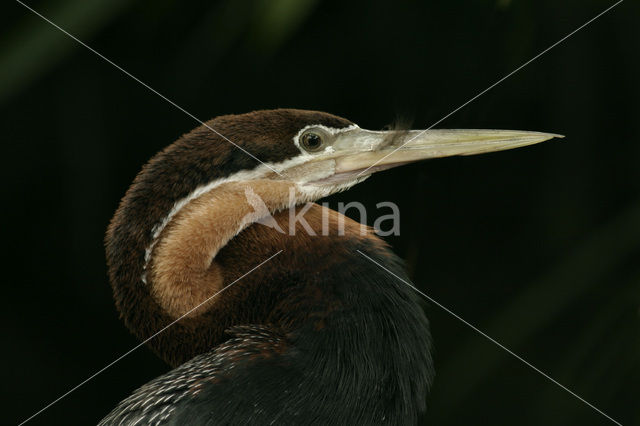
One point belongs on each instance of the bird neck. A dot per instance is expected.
(349, 320)
(183, 271)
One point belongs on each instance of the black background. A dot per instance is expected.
(539, 246)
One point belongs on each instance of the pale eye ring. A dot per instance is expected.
(312, 141)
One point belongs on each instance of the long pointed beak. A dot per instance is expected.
(364, 151)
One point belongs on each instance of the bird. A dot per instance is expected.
(264, 318)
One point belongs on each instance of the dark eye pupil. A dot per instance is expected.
(312, 141)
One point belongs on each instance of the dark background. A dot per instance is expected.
(539, 247)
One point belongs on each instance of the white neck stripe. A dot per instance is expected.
(243, 175)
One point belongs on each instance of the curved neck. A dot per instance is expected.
(183, 271)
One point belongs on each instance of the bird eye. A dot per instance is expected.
(311, 141)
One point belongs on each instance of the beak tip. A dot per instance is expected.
(543, 137)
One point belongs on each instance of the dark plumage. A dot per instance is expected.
(358, 354)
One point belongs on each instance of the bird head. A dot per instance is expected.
(318, 152)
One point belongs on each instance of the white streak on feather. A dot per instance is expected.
(262, 170)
